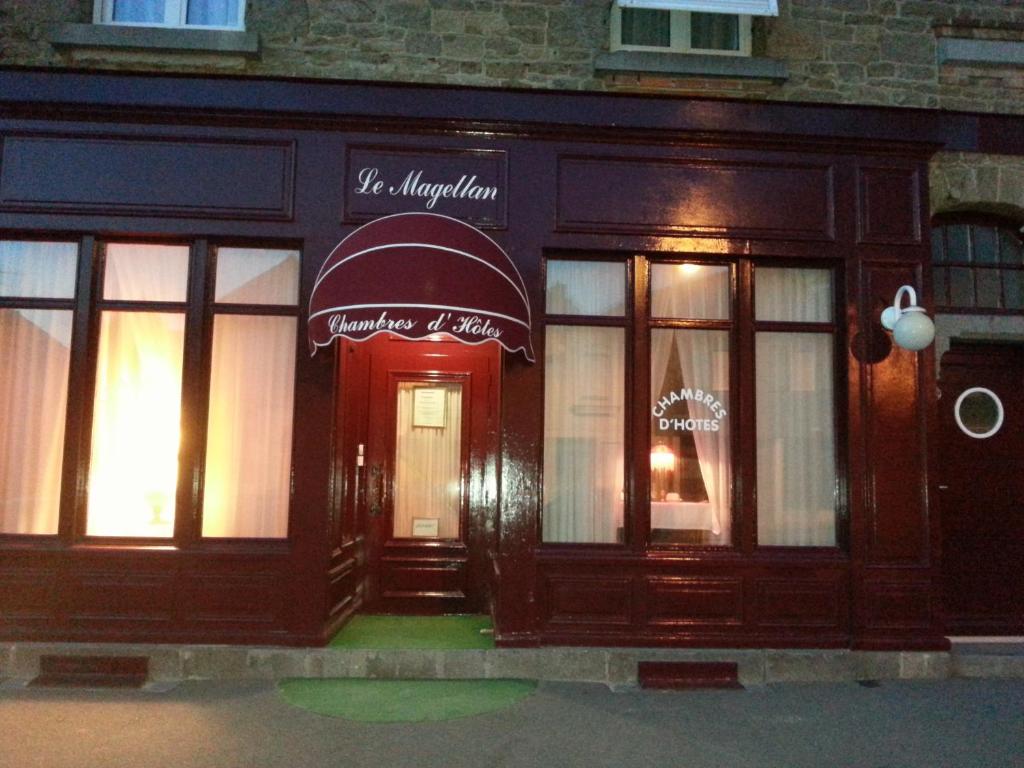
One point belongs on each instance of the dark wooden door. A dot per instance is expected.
(981, 486)
(427, 502)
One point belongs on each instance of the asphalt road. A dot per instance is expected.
(963, 723)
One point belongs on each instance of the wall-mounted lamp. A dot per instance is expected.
(911, 328)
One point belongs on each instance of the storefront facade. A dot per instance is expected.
(714, 443)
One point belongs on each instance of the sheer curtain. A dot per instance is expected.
(213, 13)
(34, 359)
(136, 430)
(583, 433)
(139, 11)
(698, 292)
(796, 480)
(428, 465)
(247, 481)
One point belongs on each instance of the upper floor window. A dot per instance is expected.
(655, 29)
(978, 264)
(209, 14)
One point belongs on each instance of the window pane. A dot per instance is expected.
(796, 472)
(989, 290)
(1011, 249)
(691, 291)
(34, 356)
(957, 243)
(938, 245)
(646, 26)
(257, 276)
(941, 283)
(136, 272)
(793, 295)
(1013, 286)
(139, 11)
(715, 31)
(213, 13)
(985, 248)
(961, 285)
(38, 270)
(428, 461)
(583, 434)
(691, 485)
(249, 436)
(586, 288)
(133, 471)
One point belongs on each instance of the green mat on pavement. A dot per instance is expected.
(415, 632)
(404, 701)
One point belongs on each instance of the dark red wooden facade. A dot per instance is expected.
(220, 160)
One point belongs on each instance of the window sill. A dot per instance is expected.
(693, 65)
(155, 39)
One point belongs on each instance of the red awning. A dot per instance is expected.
(419, 274)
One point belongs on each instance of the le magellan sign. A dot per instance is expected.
(466, 184)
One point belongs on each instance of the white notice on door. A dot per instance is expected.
(428, 407)
(425, 526)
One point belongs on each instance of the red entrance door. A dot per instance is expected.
(425, 415)
(981, 445)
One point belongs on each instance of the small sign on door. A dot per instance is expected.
(428, 407)
(425, 527)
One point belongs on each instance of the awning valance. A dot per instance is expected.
(743, 7)
(416, 275)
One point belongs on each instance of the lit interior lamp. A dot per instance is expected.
(663, 461)
(911, 328)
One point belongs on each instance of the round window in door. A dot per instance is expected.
(978, 412)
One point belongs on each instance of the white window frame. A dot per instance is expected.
(679, 35)
(175, 16)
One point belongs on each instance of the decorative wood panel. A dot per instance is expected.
(148, 177)
(898, 605)
(26, 593)
(427, 577)
(108, 598)
(234, 600)
(888, 204)
(589, 599)
(895, 515)
(799, 603)
(677, 600)
(609, 194)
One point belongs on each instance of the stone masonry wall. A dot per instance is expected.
(881, 52)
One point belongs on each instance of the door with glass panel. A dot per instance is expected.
(427, 496)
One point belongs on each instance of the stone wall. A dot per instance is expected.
(843, 51)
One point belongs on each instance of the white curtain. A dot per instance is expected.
(213, 13)
(133, 469)
(583, 433)
(428, 464)
(249, 432)
(34, 358)
(139, 11)
(699, 292)
(796, 480)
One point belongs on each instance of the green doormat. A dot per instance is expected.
(404, 701)
(439, 633)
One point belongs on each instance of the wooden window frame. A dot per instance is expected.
(942, 265)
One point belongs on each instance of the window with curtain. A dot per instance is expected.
(795, 402)
(671, 31)
(584, 402)
(692, 319)
(171, 389)
(222, 14)
(37, 289)
(978, 264)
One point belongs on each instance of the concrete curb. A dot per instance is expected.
(612, 666)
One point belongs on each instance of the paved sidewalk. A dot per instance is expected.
(246, 724)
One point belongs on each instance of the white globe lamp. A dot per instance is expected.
(911, 328)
